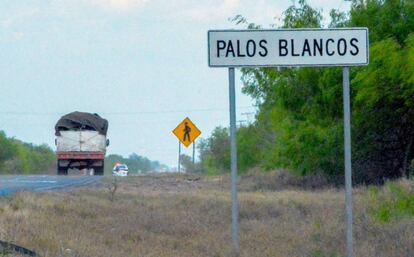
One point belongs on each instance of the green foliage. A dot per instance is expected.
(383, 110)
(302, 16)
(338, 19)
(17, 157)
(384, 18)
(394, 202)
(136, 164)
(215, 152)
(299, 112)
(249, 148)
(6, 149)
(299, 123)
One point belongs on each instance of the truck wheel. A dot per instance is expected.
(62, 171)
(98, 171)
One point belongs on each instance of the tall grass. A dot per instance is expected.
(392, 202)
(173, 216)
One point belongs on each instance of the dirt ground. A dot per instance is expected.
(189, 216)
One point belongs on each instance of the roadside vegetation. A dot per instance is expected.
(188, 215)
(299, 123)
(17, 157)
(136, 164)
(392, 202)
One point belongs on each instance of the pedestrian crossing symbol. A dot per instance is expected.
(186, 132)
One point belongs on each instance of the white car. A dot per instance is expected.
(120, 170)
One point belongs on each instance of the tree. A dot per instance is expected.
(215, 151)
(384, 115)
(17, 157)
(190, 166)
(300, 109)
(385, 18)
(6, 149)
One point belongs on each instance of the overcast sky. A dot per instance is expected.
(141, 64)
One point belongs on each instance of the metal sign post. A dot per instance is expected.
(348, 163)
(233, 152)
(179, 156)
(194, 147)
(338, 47)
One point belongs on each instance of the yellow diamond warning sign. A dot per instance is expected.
(186, 132)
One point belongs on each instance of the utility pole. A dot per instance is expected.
(241, 122)
(248, 116)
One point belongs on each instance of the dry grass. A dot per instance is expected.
(180, 216)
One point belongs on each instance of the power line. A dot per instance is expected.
(125, 113)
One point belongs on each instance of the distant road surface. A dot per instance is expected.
(13, 184)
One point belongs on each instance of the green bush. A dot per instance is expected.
(17, 157)
(395, 201)
(215, 152)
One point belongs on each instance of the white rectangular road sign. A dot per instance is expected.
(292, 47)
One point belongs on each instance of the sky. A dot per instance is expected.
(141, 64)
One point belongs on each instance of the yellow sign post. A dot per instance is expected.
(186, 132)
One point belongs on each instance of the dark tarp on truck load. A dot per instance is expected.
(81, 120)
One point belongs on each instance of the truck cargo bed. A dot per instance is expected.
(80, 141)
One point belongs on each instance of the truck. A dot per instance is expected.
(81, 142)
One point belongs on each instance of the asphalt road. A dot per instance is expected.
(13, 184)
